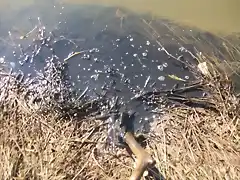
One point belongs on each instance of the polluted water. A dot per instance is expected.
(87, 53)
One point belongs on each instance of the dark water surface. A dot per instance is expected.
(121, 56)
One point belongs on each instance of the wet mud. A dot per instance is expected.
(105, 54)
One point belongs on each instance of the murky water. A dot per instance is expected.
(106, 48)
(123, 57)
(215, 15)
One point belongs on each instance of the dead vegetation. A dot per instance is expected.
(195, 143)
(186, 143)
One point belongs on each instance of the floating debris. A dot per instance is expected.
(172, 76)
(73, 54)
(165, 65)
(144, 54)
(203, 68)
(160, 67)
(2, 60)
(161, 78)
(147, 81)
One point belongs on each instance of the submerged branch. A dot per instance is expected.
(144, 159)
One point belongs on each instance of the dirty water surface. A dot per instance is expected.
(104, 54)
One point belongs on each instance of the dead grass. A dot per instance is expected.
(195, 143)
(35, 147)
(187, 143)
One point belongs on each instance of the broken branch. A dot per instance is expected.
(144, 159)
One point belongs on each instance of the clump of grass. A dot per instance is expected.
(40, 144)
(44, 147)
(197, 143)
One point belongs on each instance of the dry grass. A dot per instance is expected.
(35, 147)
(195, 143)
(188, 143)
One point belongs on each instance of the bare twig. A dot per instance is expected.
(144, 159)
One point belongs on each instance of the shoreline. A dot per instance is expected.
(49, 132)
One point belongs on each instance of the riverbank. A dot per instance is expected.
(63, 78)
(186, 142)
